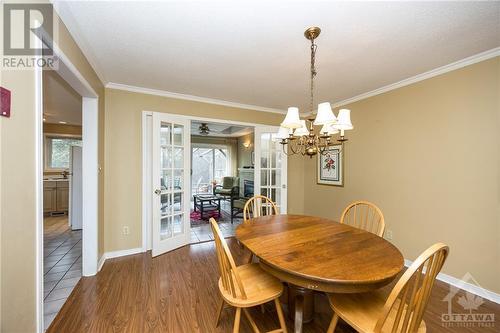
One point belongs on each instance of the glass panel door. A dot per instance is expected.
(170, 175)
(270, 167)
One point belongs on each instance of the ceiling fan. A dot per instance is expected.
(204, 130)
(219, 129)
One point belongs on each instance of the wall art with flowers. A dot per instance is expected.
(330, 167)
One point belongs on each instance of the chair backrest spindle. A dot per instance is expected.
(364, 215)
(230, 278)
(258, 206)
(405, 306)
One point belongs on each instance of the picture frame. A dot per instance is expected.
(330, 166)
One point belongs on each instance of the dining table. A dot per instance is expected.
(315, 254)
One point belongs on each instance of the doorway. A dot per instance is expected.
(62, 192)
(221, 155)
(84, 261)
(195, 168)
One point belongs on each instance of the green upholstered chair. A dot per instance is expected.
(237, 205)
(230, 187)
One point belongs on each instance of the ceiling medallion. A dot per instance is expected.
(299, 136)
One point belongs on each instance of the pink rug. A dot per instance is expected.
(196, 216)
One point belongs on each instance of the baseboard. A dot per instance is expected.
(101, 261)
(116, 254)
(121, 253)
(469, 287)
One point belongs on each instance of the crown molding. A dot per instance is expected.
(424, 76)
(164, 93)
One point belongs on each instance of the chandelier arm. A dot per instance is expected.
(323, 150)
(292, 148)
(285, 150)
(284, 146)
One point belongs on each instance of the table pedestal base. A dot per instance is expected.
(300, 305)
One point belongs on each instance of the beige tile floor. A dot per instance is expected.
(201, 232)
(62, 264)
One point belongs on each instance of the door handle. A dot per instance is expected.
(157, 191)
(283, 186)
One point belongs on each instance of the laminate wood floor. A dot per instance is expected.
(177, 292)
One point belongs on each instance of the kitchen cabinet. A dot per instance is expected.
(55, 196)
(49, 196)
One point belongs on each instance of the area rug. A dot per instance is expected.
(196, 217)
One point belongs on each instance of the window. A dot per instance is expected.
(57, 151)
(209, 165)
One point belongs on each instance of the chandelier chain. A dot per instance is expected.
(313, 73)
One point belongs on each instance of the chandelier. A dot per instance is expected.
(299, 136)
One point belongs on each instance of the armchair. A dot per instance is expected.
(230, 187)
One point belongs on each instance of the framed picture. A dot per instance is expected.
(330, 168)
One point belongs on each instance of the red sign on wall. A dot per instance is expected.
(4, 102)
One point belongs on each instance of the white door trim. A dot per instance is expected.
(147, 179)
(39, 192)
(90, 185)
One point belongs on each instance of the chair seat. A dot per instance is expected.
(223, 191)
(260, 287)
(362, 311)
(240, 203)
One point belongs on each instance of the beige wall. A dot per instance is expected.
(18, 214)
(123, 155)
(18, 233)
(245, 154)
(428, 156)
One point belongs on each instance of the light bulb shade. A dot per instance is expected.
(283, 133)
(292, 119)
(325, 114)
(328, 129)
(302, 130)
(344, 120)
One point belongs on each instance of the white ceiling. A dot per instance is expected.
(255, 52)
(221, 130)
(60, 101)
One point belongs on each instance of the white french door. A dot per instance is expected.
(171, 179)
(270, 167)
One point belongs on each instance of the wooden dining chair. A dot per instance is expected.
(259, 205)
(403, 310)
(364, 215)
(244, 286)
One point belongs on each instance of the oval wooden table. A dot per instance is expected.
(313, 253)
